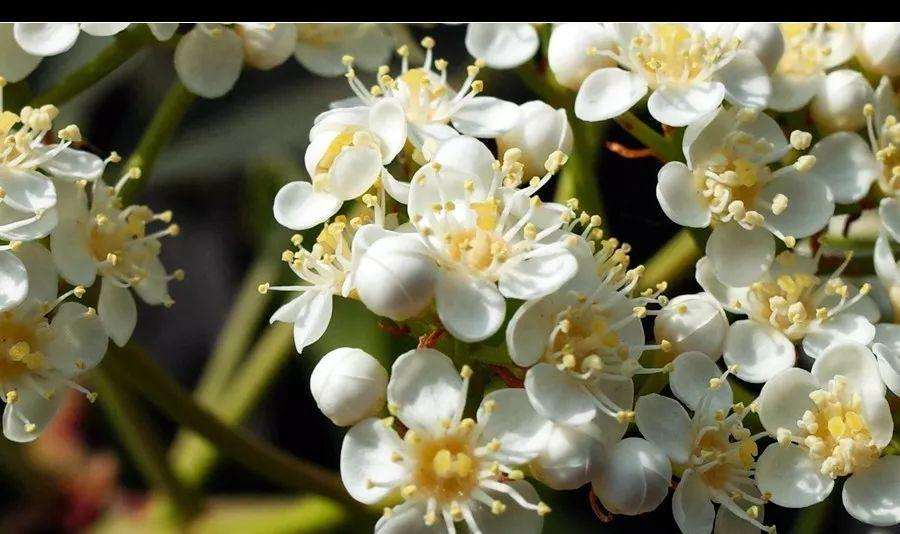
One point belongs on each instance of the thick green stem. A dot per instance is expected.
(125, 45)
(164, 123)
(142, 444)
(132, 366)
(192, 456)
(270, 516)
(538, 83)
(673, 262)
(579, 177)
(665, 149)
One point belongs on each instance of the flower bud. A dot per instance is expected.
(879, 47)
(634, 478)
(840, 101)
(764, 39)
(541, 131)
(569, 460)
(572, 52)
(268, 45)
(395, 277)
(693, 323)
(348, 386)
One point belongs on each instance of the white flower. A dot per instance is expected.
(448, 468)
(689, 72)
(888, 271)
(39, 358)
(502, 46)
(320, 47)
(490, 238)
(879, 47)
(789, 304)
(884, 140)
(541, 131)
(832, 422)
(693, 323)
(348, 386)
(727, 184)
(886, 347)
(582, 343)
(325, 270)
(764, 39)
(634, 477)
(30, 169)
(839, 102)
(573, 51)
(809, 51)
(429, 101)
(209, 58)
(348, 150)
(395, 277)
(714, 452)
(99, 237)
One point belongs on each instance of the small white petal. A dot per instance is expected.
(608, 93)
(470, 308)
(46, 39)
(792, 92)
(425, 386)
(679, 198)
(663, 422)
(312, 318)
(353, 172)
(35, 408)
(690, 378)
(759, 350)
(844, 326)
(677, 106)
(846, 164)
(746, 80)
(209, 66)
(785, 398)
(366, 455)
(486, 116)
(117, 310)
(502, 46)
(521, 431)
(740, 257)
(298, 206)
(559, 396)
(538, 273)
(810, 203)
(634, 479)
(13, 281)
(871, 495)
(691, 506)
(791, 477)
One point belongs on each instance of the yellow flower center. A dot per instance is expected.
(18, 354)
(672, 54)
(446, 468)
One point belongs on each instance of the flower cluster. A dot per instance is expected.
(52, 195)
(527, 306)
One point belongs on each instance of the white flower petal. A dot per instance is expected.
(353, 172)
(426, 388)
(69, 247)
(163, 31)
(15, 63)
(785, 398)
(759, 350)
(312, 318)
(502, 46)
(267, 46)
(792, 92)
(515, 518)
(855, 362)
(471, 309)
(37, 229)
(46, 39)
(298, 206)
(522, 433)
(690, 378)
(569, 460)
(634, 479)
(366, 455)
(486, 116)
(704, 137)
(117, 310)
(888, 365)
(34, 408)
(103, 29)
(886, 267)
(677, 106)
(13, 280)
(844, 326)
(79, 340)
(846, 164)
(538, 273)
(740, 257)
(791, 477)
(469, 156)
(729, 297)
(871, 495)
(679, 198)
(26, 190)
(528, 331)
(691, 506)
(559, 396)
(663, 422)
(73, 165)
(608, 93)
(745, 79)
(889, 211)
(387, 120)
(209, 66)
(407, 519)
(42, 278)
(810, 203)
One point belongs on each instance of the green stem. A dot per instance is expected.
(192, 456)
(539, 85)
(166, 119)
(673, 262)
(132, 366)
(125, 45)
(142, 444)
(578, 178)
(271, 516)
(662, 147)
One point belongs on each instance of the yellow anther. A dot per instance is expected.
(427, 43)
(19, 351)
(465, 372)
(497, 507)
(665, 345)
(477, 87)
(263, 288)
(12, 396)
(347, 60)
(408, 491)
(800, 140)
(78, 291)
(403, 51)
(489, 405)
(869, 110)
(543, 509)
(515, 474)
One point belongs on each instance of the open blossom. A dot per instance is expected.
(727, 184)
(490, 238)
(447, 467)
(693, 323)
(831, 422)
(348, 150)
(210, 57)
(502, 45)
(713, 450)
(430, 103)
(39, 356)
(573, 51)
(688, 70)
(809, 51)
(789, 304)
(884, 140)
(98, 236)
(320, 47)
